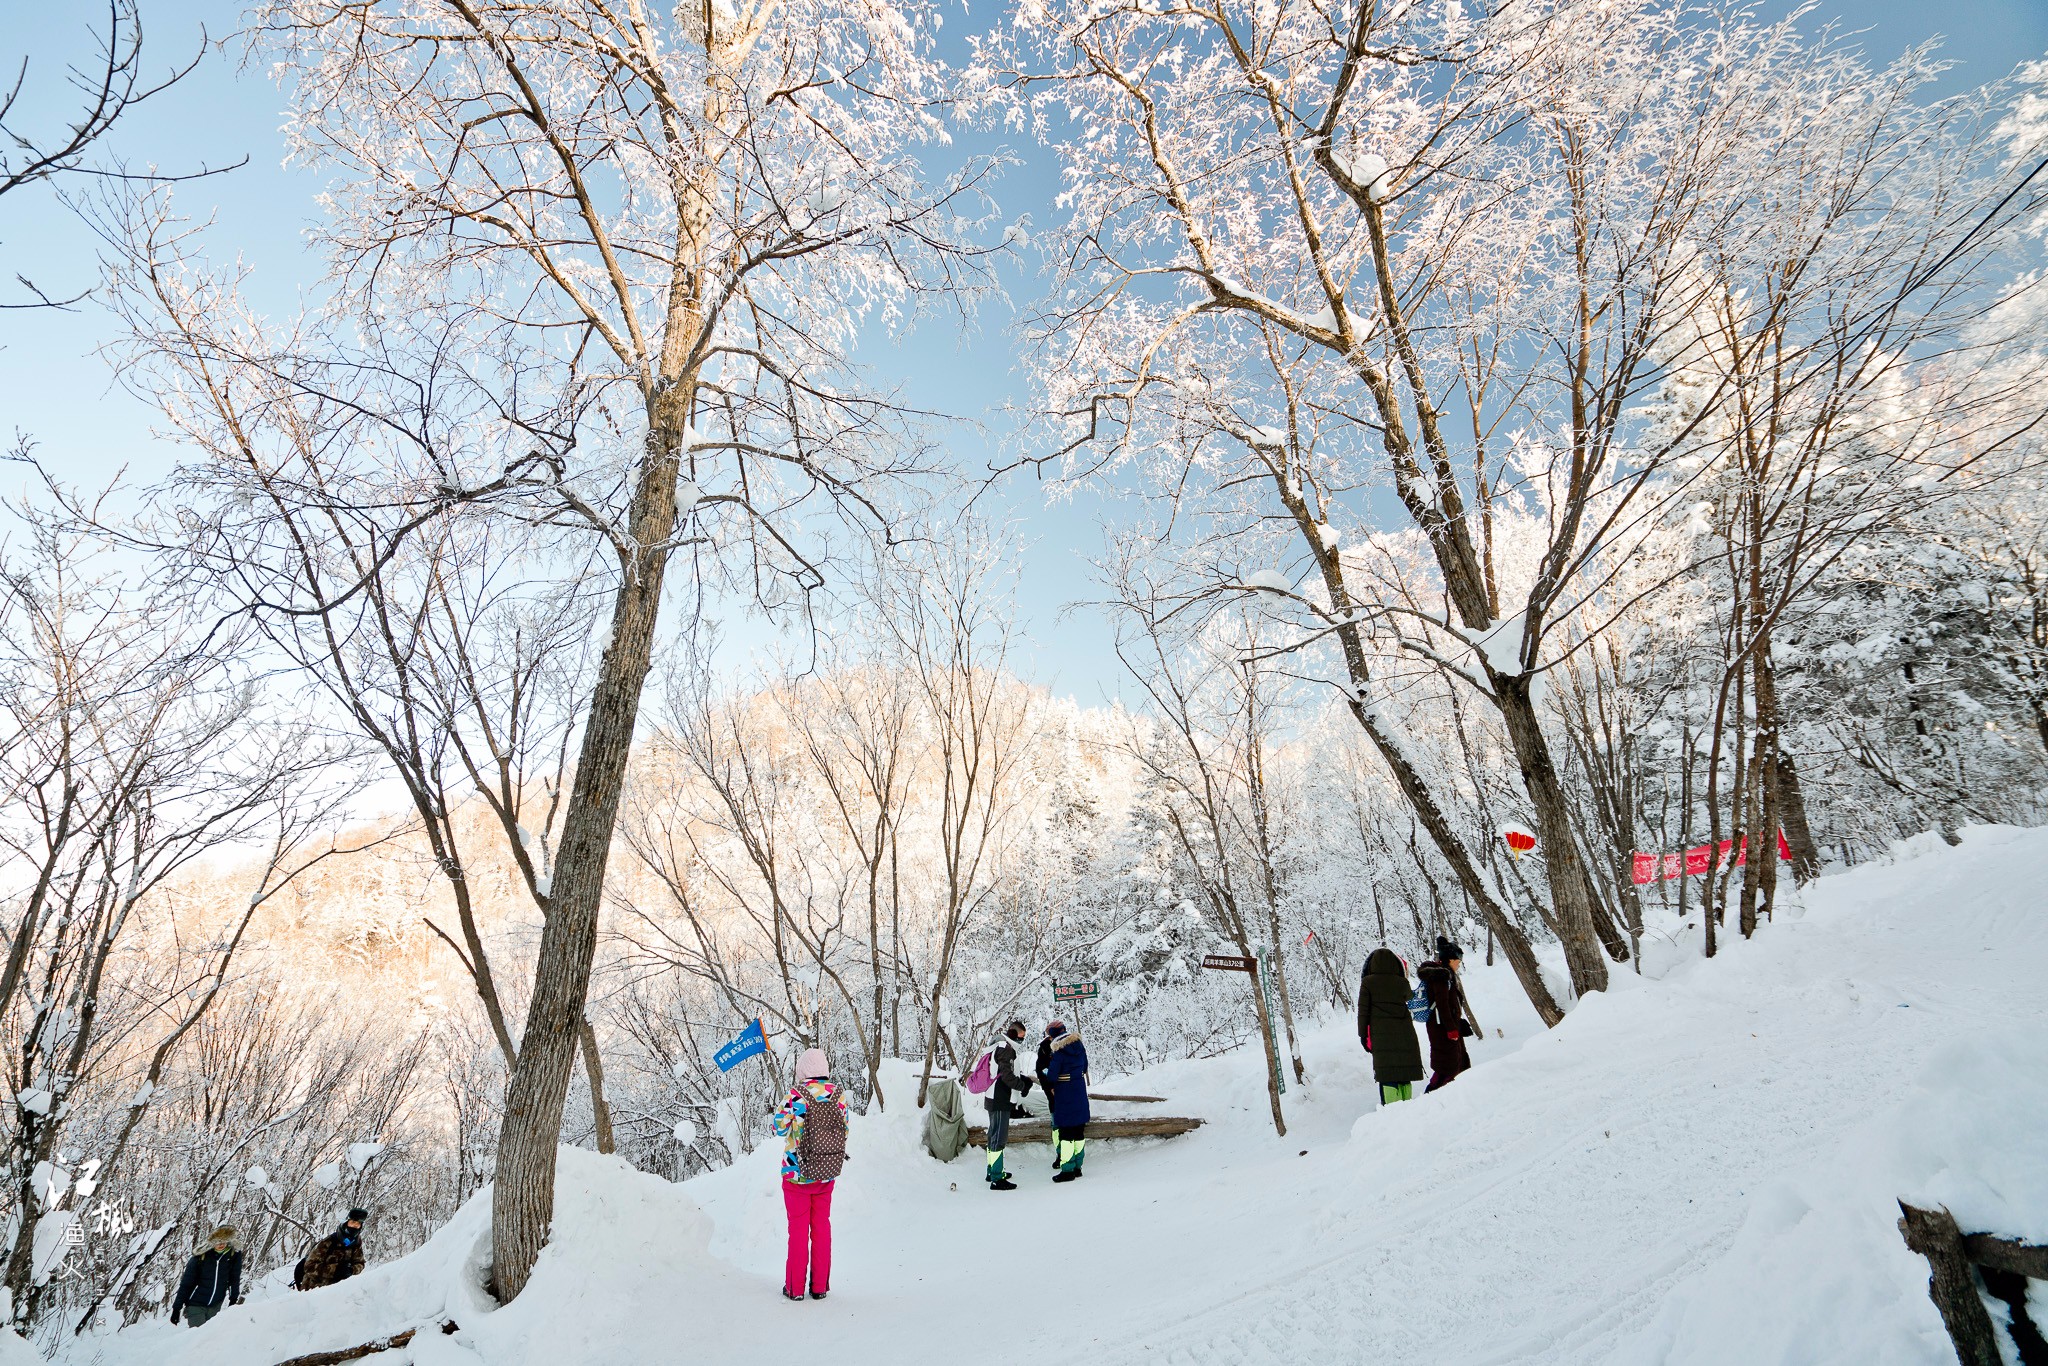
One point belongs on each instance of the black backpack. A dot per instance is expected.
(821, 1147)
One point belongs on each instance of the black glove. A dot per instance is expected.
(174, 1316)
(1466, 1031)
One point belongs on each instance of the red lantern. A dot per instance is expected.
(1520, 842)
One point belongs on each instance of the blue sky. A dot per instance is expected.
(56, 389)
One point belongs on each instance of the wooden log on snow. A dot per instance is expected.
(2007, 1254)
(340, 1355)
(1953, 1287)
(1141, 1100)
(1038, 1131)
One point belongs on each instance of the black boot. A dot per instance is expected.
(788, 1296)
(1066, 1176)
(1006, 1184)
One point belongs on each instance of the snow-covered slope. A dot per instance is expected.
(1695, 1169)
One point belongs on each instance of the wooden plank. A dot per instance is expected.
(2003, 1254)
(1139, 1100)
(1038, 1131)
(1953, 1286)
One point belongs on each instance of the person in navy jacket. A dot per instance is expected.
(213, 1277)
(1066, 1074)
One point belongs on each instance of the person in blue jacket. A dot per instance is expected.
(1066, 1071)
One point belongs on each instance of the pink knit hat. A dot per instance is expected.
(812, 1064)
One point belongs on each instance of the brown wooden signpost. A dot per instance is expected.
(1224, 962)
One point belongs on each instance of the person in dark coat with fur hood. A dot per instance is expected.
(1066, 1072)
(1450, 1019)
(213, 1277)
(1385, 1027)
(334, 1258)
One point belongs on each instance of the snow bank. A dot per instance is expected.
(1695, 1167)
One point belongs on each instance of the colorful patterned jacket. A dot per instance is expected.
(789, 1122)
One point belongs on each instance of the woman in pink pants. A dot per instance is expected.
(812, 1122)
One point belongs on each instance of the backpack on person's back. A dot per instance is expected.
(984, 1074)
(821, 1145)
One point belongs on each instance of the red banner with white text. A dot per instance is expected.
(1658, 867)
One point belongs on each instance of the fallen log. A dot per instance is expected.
(1038, 1131)
(342, 1354)
(1141, 1100)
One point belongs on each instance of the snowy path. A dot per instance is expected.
(1693, 1169)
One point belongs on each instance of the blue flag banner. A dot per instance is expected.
(750, 1042)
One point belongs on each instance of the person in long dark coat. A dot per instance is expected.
(1386, 1028)
(1450, 1020)
(1067, 1066)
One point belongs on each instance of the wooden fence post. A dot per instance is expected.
(1934, 1235)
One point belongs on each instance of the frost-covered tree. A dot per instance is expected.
(635, 247)
(1323, 264)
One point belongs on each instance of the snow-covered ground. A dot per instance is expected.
(1701, 1168)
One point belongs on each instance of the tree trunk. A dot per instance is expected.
(931, 1050)
(1420, 799)
(523, 1202)
(1267, 1041)
(336, 1358)
(1582, 929)
(1792, 808)
(1763, 860)
(1035, 1131)
(1255, 774)
(1521, 957)
(600, 1110)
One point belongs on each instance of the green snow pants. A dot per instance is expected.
(1073, 1146)
(1390, 1094)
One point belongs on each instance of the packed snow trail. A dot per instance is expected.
(1700, 1168)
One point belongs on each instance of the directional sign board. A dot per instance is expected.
(1224, 962)
(1073, 991)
